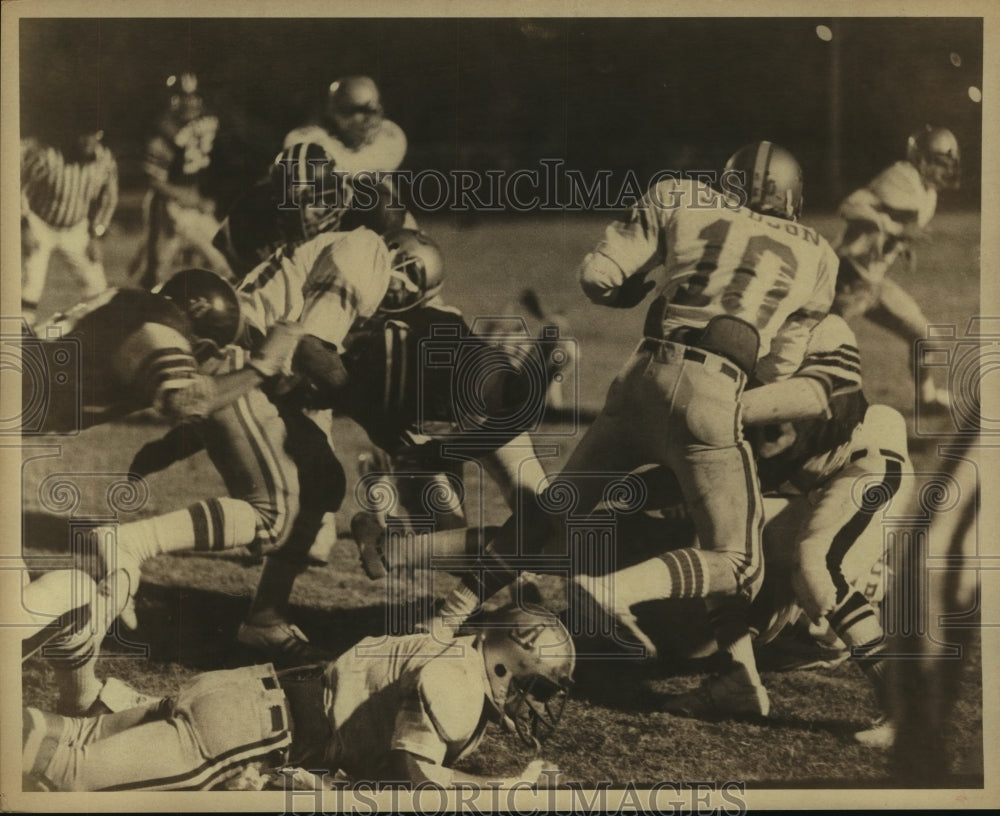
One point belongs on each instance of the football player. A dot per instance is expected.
(137, 350)
(257, 225)
(829, 464)
(323, 284)
(179, 209)
(398, 710)
(743, 286)
(882, 221)
(354, 130)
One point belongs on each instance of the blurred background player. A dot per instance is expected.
(882, 222)
(179, 208)
(353, 129)
(397, 709)
(355, 133)
(69, 191)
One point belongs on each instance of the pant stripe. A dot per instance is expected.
(273, 529)
(215, 514)
(202, 776)
(858, 523)
(755, 526)
(199, 519)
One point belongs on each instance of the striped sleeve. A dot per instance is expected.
(347, 280)
(155, 363)
(832, 357)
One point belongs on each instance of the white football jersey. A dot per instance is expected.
(411, 693)
(325, 284)
(895, 199)
(383, 153)
(720, 259)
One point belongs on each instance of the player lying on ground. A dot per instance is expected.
(742, 281)
(882, 222)
(395, 710)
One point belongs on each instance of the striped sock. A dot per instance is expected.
(687, 573)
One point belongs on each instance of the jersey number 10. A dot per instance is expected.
(692, 291)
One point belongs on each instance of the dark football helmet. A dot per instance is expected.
(210, 303)
(310, 195)
(417, 271)
(530, 658)
(771, 179)
(934, 152)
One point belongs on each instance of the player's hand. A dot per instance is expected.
(814, 590)
(633, 292)
(275, 354)
(541, 774)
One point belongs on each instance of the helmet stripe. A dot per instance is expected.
(761, 162)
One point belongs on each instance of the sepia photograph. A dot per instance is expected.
(491, 407)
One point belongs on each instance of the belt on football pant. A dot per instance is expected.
(695, 355)
(863, 452)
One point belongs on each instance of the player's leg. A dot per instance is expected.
(900, 313)
(606, 447)
(842, 539)
(305, 460)
(82, 254)
(218, 721)
(37, 242)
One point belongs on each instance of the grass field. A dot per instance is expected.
(189, 607)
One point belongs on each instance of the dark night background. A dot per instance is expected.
(640, 94)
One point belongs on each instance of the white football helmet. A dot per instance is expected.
(529, 657)
(934, 152)
(771, 179)
(417, 271)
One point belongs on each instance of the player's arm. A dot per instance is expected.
(831, 368)
(631, 245)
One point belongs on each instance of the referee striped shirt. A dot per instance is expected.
(62, 193)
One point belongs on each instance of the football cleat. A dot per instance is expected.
(733, 694)
(281, 642)
(368, 535)
(593, 598)
(881, 735)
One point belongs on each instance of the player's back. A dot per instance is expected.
(722, 259)
(386, 691)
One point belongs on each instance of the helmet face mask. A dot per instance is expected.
(934, 152)
(529, 659)
(310, 194)
(770, 179)
(417, 272)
